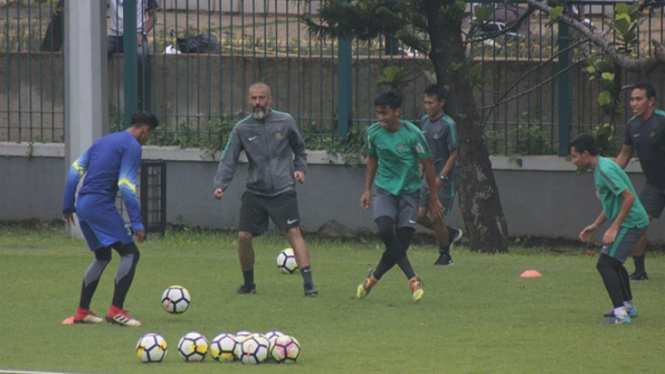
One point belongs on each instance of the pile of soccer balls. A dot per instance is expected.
(244, 346)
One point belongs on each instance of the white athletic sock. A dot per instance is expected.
(620, 312)
(629, 304)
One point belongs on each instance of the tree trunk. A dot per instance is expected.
(479, 196)
(55, 33)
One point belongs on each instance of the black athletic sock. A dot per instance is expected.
(406, 267)
(444, 250)
(129, 257)
(307, 275)
(92, 276)
(249, 277)
(639, 264)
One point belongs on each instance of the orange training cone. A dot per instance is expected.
(530, 274)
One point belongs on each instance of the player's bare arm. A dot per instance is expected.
(624, 156)
(370, 172)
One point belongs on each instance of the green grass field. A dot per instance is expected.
(477, 316)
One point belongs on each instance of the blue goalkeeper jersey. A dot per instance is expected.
(109, 165)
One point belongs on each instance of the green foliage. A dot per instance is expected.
(524, 140)
(476, 74)
(625, 23)
(556, 12)
(338, 333)
(210, 138)
(602, 69)
(351, 149)
(484, 12)
(454, 13)
(393, 77)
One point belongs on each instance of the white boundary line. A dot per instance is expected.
(32, 372)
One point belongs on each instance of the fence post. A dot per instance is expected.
(565, 83)
(344, 93)
(129, 59)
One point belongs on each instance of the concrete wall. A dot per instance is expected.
(544, 197)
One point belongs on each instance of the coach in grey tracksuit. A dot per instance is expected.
(277, 159)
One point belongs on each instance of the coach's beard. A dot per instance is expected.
(260, 112)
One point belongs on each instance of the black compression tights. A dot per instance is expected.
(129, 257)
(397, 242)
(615, 278)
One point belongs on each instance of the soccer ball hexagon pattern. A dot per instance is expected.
(176, 299)
(151, 348)
(272, 336)
(286, 261)
(254, 349)
(193, 347)
(223, 347)
(286, 349)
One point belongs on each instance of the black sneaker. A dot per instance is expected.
(454, 235)
(245, 289)
(310, 290)
(443, 260)
(642, 276)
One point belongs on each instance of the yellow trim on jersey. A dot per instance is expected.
(127, 183)
(78, 168)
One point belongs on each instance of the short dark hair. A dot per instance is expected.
(389, 98)
(144, 118)
(647, 87)
(436, 90)
(585, 142)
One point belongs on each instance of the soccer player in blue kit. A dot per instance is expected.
(109, 165)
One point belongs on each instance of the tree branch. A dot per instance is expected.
(646, 65)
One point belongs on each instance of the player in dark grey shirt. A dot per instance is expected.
(645, 133)
(277, 160)
(441, 134)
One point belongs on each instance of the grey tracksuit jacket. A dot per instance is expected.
(270, 145)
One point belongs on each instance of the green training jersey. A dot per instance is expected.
(610, 182)
(399, 155)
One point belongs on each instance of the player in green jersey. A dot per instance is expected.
(395, 150)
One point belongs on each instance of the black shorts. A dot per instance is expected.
(256, 209)
(653, 199)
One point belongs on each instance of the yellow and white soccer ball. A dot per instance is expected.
(223, 347)
(193, 347)
(151, 348)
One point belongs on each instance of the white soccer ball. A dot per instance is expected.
(223, 347)
(254, 349)
(193, 347)
(286, 261)
(240, 336)
(176, 299)
(286, 350)
(151, 348)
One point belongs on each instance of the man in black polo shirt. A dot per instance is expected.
(645, 133)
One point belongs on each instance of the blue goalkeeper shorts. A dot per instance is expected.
(101, 222)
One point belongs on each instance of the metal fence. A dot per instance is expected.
(199, 96)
